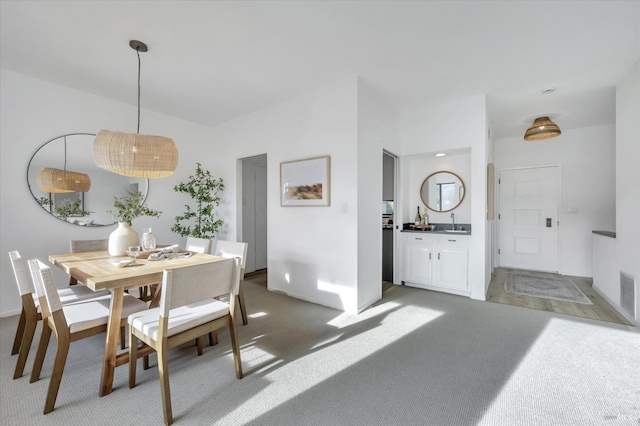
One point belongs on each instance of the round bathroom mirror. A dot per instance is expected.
(442, 191)
(74, 152)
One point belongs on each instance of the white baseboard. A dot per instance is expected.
(9, 313)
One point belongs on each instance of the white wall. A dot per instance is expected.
(587, 164)
(34, 111)
(461, 123)
(377, 130)
(628, 179)
(312, 250)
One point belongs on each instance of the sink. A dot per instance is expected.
(457, 231)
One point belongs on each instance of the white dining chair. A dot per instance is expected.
(235, 249)
(198, 245)
(82, 246)
(188, 309)
(69, 322)
(31, 312)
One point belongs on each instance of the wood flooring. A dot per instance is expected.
(258, 277)
(600, 310)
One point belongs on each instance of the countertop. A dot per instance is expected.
(438, 232)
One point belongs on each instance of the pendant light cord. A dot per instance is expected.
(65, 154)
(138, 52)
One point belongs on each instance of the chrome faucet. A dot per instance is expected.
(453, 222)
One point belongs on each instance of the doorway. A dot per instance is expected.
(388, 216)
(529, 218)
(254, 211)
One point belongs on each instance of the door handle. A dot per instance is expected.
(548, 222)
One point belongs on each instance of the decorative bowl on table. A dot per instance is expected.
(146, 254)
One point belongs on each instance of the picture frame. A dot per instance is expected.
(59, 199)
(306, 182)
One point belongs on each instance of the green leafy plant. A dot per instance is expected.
(130, 207)
(200, 220)
(65, 210)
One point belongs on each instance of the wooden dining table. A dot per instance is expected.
(97, 270)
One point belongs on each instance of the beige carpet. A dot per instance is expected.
(415, 358)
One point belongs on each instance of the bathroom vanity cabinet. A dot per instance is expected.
(436, 262)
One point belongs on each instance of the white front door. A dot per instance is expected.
(528, 215)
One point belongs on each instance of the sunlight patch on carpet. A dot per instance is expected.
(353, 344)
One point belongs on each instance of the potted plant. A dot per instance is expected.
(128, 208)
(200, 221)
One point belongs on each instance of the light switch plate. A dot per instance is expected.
(572, 210)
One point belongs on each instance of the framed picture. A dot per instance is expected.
(70, 200)
(305, 183)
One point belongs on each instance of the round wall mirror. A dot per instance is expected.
(74, 152)
(442, 191)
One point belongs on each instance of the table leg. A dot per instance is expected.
(111, 343)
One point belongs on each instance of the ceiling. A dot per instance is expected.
(212, 61)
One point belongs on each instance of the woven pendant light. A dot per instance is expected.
(542, 128)
(133, 154)
(56, 180)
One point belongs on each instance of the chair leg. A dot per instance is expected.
(236, 349)
(145, 362)
(155, 300)
(19, 332)
(123, 338)
(25, 345)
(199, 344)
(133, 358)
(163, 371)
(243, 308)
(58, 368)
(213, 338)
(42, 351)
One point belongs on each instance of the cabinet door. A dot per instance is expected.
(417, 264)
(450, 268)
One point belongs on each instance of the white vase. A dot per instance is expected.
(120, 239)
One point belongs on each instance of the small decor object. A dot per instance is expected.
(542, 128)
(133, 154)
(205, 191)
(123, 237)
(128, 208)
(148, 240)
(133, 252)
(305, 182)
(418, 219)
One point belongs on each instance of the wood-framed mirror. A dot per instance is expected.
(442, 191)
(79, 208)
